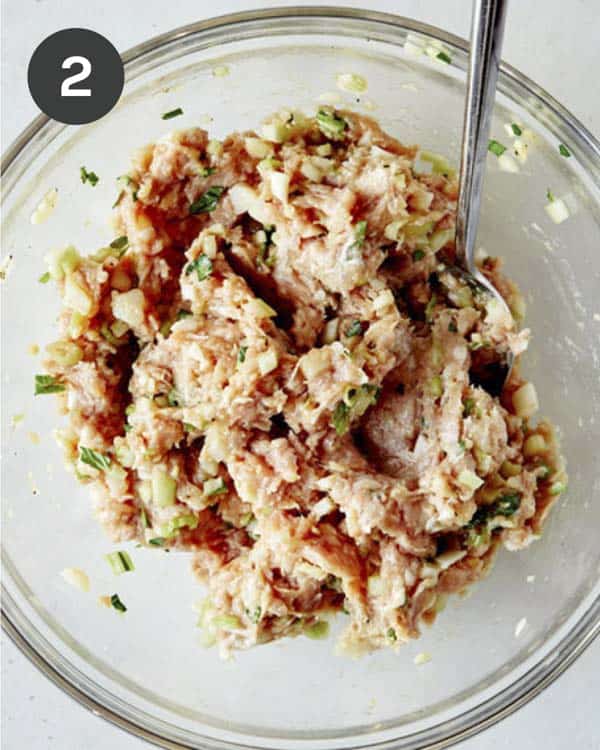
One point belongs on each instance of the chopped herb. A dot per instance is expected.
(255, 616)
(496, 148)
(468, 406)
(550, 195)
(418, 255)
(120, 562)
(181, 314)
(429, 307)
(44, 278)
(90, 177)
(557, 488)
(452, 327)
(121, 244)
(564, 151)
(93, 458)
(117, 603)
(47, 384)
(391, 634)
(207, 171)
(173, 398)
(341, 418)
(173, 113)
(207, 201)
(360, 233)
(144, 518)
(506, 505)
(331, 124)
(189, 427)
(118, 199)
(213, 487)
(241, 357)
(158, 541)
(202, 265)
(268, 231)
(516, 129)
(444, 57)
(354, 329)
(355, 404)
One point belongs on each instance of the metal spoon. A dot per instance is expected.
(487, 31)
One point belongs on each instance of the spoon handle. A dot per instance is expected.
(487, 31)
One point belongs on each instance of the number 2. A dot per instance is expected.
(86, 69)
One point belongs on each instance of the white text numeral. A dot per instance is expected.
(86, 69)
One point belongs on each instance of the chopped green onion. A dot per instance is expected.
(173, 113)
(507, 505)
(430, 306)
(47, 384)
(164, 488)
(189, 427)
(360, 233)
(331, 124)
(117, 603)
(564, 151)
(444, 57)
(496, 148)
(557, 488)
(121, 244)
(208, 201)
(516, 129)
(255, 616)
(90, 177)
(318, 630)
(93, 458)
(354, 329)
(158, 541)
(120, 562)
(468, 406)
(355, 404)
(241, 357)
(202, 265)
(214, 487)
(341, 418)
(550, 195)
(45, 278)
(173, 398)
(452, 327)
(391, 634)
(172, 527)
(144, 518)
(418, 255)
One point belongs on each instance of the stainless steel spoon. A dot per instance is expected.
(487, 31)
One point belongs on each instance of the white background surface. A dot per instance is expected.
(553, 42)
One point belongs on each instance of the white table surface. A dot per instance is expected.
(552, 41)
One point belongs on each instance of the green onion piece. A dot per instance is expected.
(564, 151)
(468, 406)
(172, 527)
(418, 255)
(117, 603)
(158, 541)
(208, 201)
(516, 129)
(181, 314)
(496, 148)
(255, 616)
(44, 278)
(429, 307)
(354, 329)
(214, 487)
(144, 518)
(118, 199)
(120, 562)
(173, 398)
(557, 488)
(331, 124)
(341, 418)
(93, 458)
(241, 357)
(391, 634)
(171, 114)
(507, 505)
(189, 427)
(550, 195)
(360, 233)
(452, 327)
(90, 177)
(47, 384)
(318, 630)
(443, 57)
(121, 244)
(202, 265)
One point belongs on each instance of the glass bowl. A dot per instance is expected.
(146, 671)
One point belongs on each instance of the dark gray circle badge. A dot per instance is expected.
(75, 76)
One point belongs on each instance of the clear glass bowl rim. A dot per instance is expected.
(264, 23)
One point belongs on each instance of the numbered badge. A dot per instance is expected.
(75, 76)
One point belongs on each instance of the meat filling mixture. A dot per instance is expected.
(275, 368)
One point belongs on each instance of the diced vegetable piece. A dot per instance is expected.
(170, 529)
(207, 201)
(61, 261)
(93, 458)
(226, 622)
(221, 71)
(525, 401)
(317, 631)
(331, 124)
(508, 164)
(267, 361)
(213, 487)
(439, 164)
(440, 239)
(352, 82)
(418, 228)
(45, 207)
(258, 148)
(496, 148)
(76, 297)
(374, 586)
(563, 150)
(76, 577)
(171, 114)
(47, 384)
(164, 488)
(435, 387)
(90, 177)
(117, 604)
(202, 265)
(280, 184)
(470, 480)
(129, 307)
(509, 469)
(534, 445)
(120, 562)
(65, 353)
(557, 210)
(558, 488)
(260, 309)
(446, 559)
